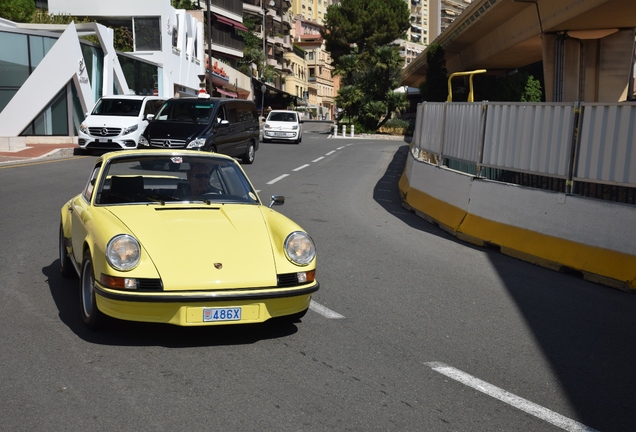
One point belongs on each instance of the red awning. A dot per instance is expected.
(230, 22)
(226, 93)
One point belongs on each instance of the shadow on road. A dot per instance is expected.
(586, 331)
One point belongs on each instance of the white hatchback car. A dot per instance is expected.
(117, 122)
(283, 125)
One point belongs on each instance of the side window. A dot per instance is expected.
(87, 193)
(221, 114)
(233, 113)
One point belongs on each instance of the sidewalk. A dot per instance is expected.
(37, 152)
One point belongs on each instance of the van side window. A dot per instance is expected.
(221, 114)
(234, 113)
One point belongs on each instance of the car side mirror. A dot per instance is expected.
(149, 117)
(277, 200)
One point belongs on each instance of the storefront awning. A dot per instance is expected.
(226, 93)
(230, 22)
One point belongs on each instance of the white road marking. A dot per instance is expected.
(340, 148)
(277, 179)
(509, 398)
(331, 152)
(300, 167)
(326, 312)
(320, 158)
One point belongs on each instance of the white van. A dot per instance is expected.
(116, 122)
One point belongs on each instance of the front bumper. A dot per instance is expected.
(280, 134)
(186, 309)
(89, 142)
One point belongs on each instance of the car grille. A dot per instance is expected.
(286, 280)
(149, 285)
(168, 143)
(104, 131)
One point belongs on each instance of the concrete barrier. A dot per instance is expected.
(550, 229)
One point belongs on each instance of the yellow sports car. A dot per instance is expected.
(181, 237)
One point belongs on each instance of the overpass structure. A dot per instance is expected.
(586, 46)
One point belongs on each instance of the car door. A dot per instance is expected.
(223, 136)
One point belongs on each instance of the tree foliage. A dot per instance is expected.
(365, 24)
(435, 88)
(17, 10)
(359, 35)
(252, 49)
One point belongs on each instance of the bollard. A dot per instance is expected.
(344, 131)
(352, 128)
(335, 130)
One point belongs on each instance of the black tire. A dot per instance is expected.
(93, 318)
(66, 265)
(250, 154)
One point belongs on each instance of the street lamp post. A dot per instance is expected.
(209, 26)
(263, 90)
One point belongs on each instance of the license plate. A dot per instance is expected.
(221, 314)
(277, 134)
(103, 140)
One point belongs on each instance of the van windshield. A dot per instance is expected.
(190, 111)
(117, 107)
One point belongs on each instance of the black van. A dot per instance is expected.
(228, 126)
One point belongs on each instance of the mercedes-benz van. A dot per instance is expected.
(228, 126)
(117, 122)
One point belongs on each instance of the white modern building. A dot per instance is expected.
(51, 75)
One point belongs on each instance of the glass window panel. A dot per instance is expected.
(147, 33)
(39, 47)
(14, 61)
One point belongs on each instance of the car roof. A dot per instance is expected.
(131, 97)
(159, 152)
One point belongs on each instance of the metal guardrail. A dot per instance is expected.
(577, 142)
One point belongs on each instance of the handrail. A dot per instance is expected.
(471, 97)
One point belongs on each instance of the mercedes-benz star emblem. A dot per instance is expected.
(166, 144)
(104, 131)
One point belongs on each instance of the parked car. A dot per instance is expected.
(228, 126)
(116, 122)
(283, 125)
(188, 243)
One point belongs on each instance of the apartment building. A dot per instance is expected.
(429, 18)
(311, 10)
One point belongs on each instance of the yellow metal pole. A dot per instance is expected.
(471, 94)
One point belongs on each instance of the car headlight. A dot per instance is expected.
(143, 141)
(196, 143)
(300, 248)
(294, 127)
(129, 129)
(84, 128)
(123, 252)
(266, 126)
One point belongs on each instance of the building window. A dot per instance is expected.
(147, 34)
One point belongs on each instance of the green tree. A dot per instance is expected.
(435, 88)
(252, 49)
(363, 24)
(349, 98)
(183, 4)
(17, 10)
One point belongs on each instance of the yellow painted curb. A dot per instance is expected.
(599, 265)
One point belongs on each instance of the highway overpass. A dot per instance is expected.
(587, 46)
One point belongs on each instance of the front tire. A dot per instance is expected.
(93, 318)
(250, 154)
(66, 266)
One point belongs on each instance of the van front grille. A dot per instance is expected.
(168, 143)
(104, 131)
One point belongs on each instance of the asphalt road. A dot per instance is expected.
(412, 330)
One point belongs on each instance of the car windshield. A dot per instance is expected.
(165, 179)
(117, 107)
(281, 116)
(186, 110)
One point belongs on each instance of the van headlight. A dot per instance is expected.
(196, 143)
(143, 141)
(129, 129)
(83, 128)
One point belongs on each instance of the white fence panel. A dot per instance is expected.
(532, 138)
(607, 144)
(429, 132)
(463, 131)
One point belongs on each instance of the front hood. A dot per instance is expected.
(199, 247)
(111, 121)
(164, 129)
